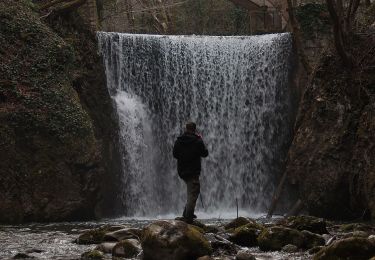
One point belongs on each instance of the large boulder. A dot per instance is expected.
(246, 235)
(55, 134)
(122, 234)
(92, 255)
(237, 222)
(275, 238)
(127, 248)
(350, 248)
(106, 247)
(309, 223)
(312, 240)
(92, 236)
(221, 245)
(174, 240)
(98, 235)
(332, 156)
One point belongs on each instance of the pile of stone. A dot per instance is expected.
(177, 240)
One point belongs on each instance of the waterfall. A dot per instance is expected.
(237, 91)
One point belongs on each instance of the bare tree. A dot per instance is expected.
(343, 18)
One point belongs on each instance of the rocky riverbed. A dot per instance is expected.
(300, 237)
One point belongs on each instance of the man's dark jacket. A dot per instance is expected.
(188, 150)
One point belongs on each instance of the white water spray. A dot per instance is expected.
(235, 88)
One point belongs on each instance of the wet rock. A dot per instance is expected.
(206, 257)
(274, 238)
(244, 255)
(106, 247)
(312, 240)
(246, 235)
(309, 223)
(122, 234)
(356, 227)
(238, 222)
(221, 245)
(173, 240)
(315, 250)
(349, 248)
(22, 256)
(289, 248)
(356, 234)
(93, 254)
(204, 227)
(127, 248)
(93, 236)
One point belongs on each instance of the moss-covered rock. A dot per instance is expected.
(289, 248)
(350, 248)
(274, 238)
(97, 235)
(350, 227)
(240, 221)
(246, 235)
(221, 245)
(93, 254)
(106, 247)
(205, 228)
(54, 153)
(174, 240)
(93, 236)
(312, 240)
(122, 234)
(127, 248)
(309, 223)
(315, 250)
(244, 255)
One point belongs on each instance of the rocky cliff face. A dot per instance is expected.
(332, 156)
(55, 123)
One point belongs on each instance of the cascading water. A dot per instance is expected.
(237, 91)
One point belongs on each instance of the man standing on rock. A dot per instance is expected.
(188, 150)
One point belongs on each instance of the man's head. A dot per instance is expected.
(191, 127)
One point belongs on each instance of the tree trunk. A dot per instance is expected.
(298, 38)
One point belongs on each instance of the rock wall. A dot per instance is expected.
(55, 119)
(332, 156)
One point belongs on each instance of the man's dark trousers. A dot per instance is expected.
(192, 191)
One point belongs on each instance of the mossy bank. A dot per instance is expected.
(56, 123)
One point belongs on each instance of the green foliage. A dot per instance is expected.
(313, 18)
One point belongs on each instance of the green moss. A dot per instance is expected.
(246, 235)
(94, 236)
(93, 254)
(350, 248)
(309, 223)
(275, 238)
(195, 239)
(355, 227)
(240, 221)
